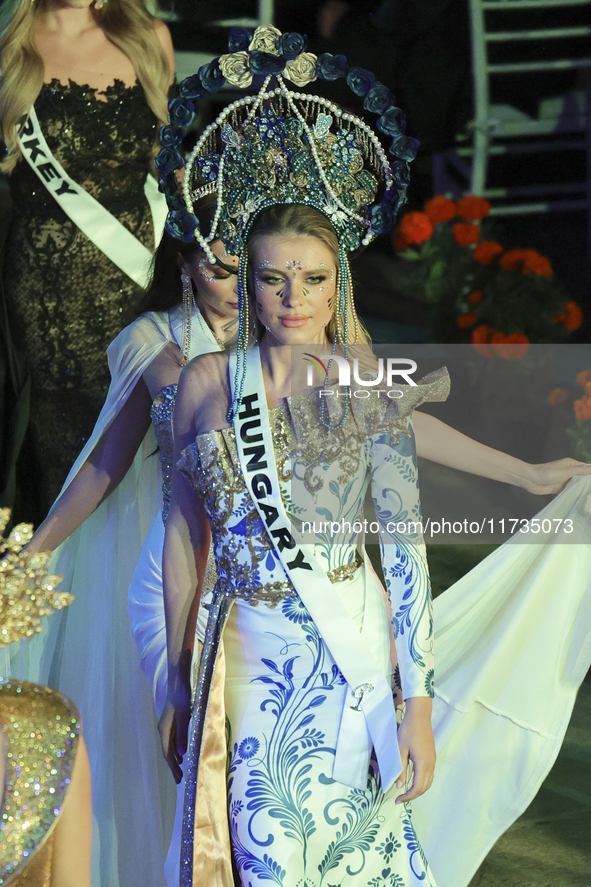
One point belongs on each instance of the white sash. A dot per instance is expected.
(369, 715)
(99, 225)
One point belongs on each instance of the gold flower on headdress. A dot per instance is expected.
(235, 69)
(265, 39)
(26, 591)
(302, 70)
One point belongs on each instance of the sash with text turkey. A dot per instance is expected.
(97, 223)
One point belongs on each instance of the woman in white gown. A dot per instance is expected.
(108, 528)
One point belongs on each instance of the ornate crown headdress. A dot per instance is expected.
(26, 591)
(282, 146)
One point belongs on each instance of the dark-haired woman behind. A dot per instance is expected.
(115, 499)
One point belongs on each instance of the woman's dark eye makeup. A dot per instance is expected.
(273, 279)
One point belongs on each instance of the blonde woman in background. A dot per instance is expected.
(95, 76)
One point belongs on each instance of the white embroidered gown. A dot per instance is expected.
(291, 823)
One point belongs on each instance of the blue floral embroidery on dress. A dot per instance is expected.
(415, 849)
(388, 878)
(280, 781)
(249, 748)
(430, 682)
(359, 823)
(388, 848)
(295, 610)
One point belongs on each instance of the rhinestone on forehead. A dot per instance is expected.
(294, 265)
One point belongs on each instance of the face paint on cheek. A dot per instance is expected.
(259, 307)
(305, 291)
(330, 301)
(260, 284)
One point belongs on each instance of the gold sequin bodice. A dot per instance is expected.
(323, 476)
(41, 729)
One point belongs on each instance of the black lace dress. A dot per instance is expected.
(65, 299)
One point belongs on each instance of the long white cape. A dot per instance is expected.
(512, 645)
(88, 652)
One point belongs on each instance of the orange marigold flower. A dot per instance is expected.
(473, 208)
(467, 319)
(476, 296)
(516, 259)
(440, 209)
(398, 240)
(512, 347)
(582, 408)
(516, 346)
(583, 377)
(479, 337)
(556, 395)
(513, 260)
(575, 316)
(481, 334)
(466, 233)
(416, 227)
(538, 265)
(588, 388)
(486, 251)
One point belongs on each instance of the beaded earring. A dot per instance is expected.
(341, 335)
(242, 343)
(188, 306)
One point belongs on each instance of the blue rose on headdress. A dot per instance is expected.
(181, 225)
(168, 159)
(265, 63)
(175, 201)
(192, 88)
(395, 197)
(331, 67)
(404, 147)
(171, 136)
(211, 76)
(401, 173)
(181, 112)
(239, 39)
(378, 98)
(168, 184)
(382, 217)
(392, 122)
(359, 80)
(291, 44)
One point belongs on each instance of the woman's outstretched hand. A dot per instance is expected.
(550, 478)
(416, 743)
(173, 727)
